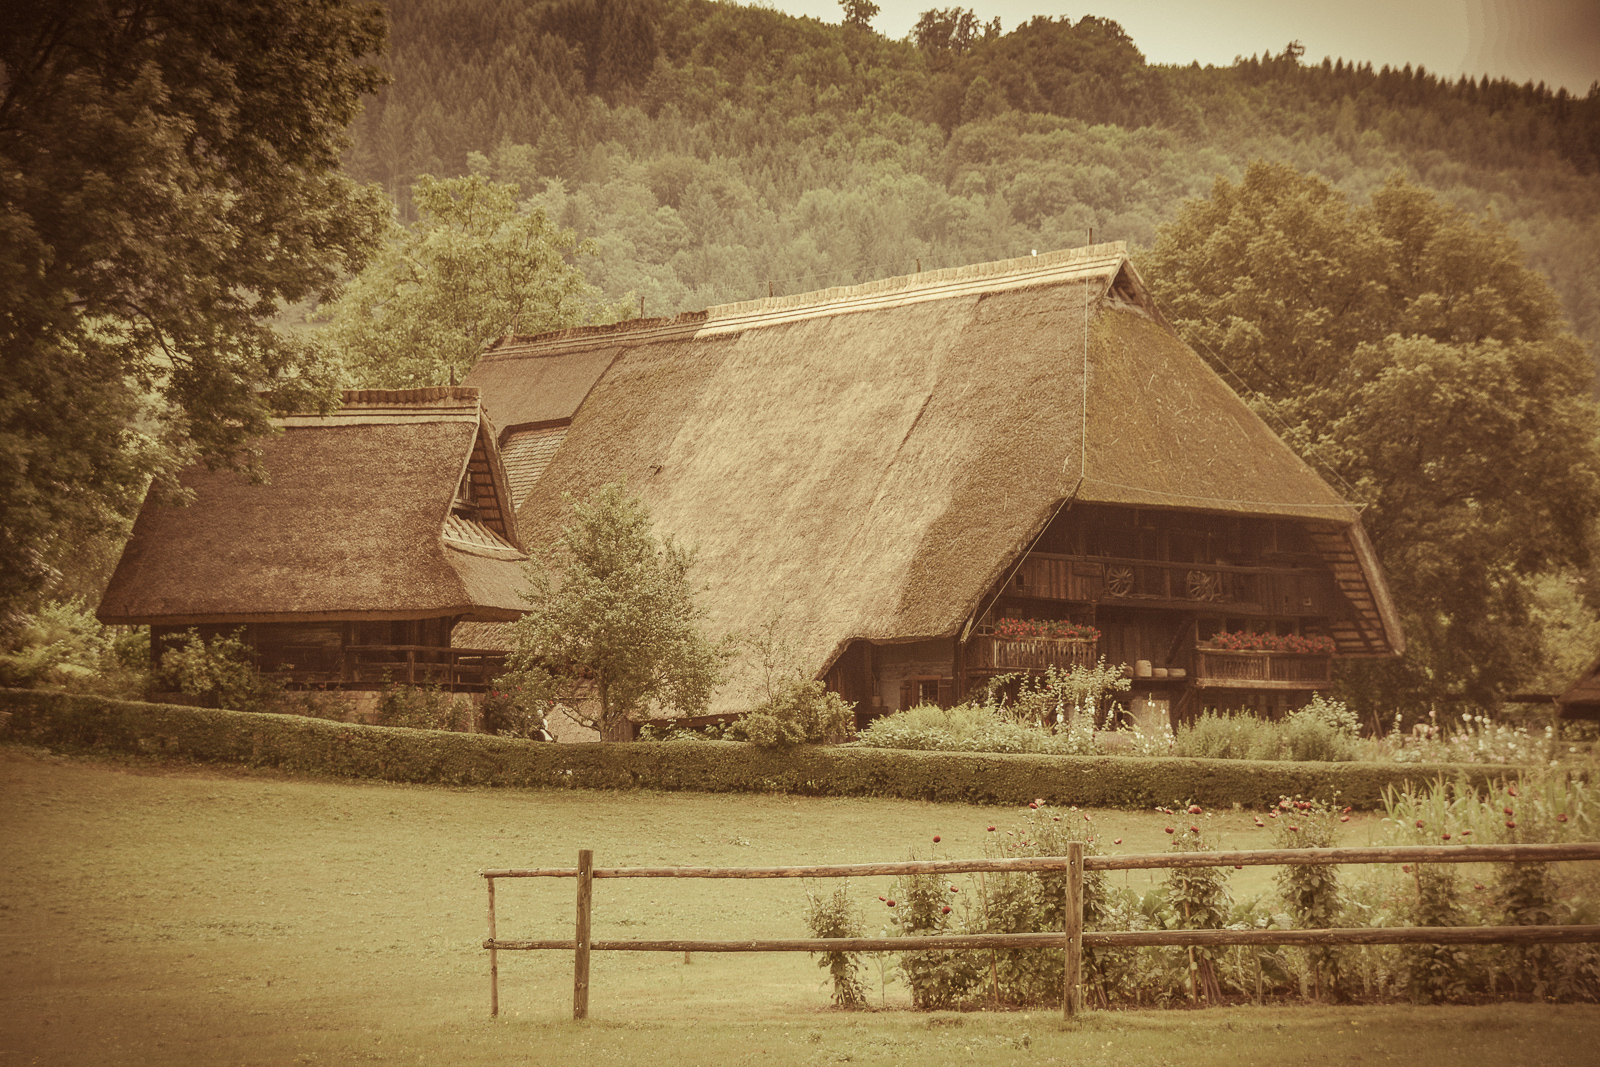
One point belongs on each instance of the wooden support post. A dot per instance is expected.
(1072, 993)
(494, 963)
(580, 962)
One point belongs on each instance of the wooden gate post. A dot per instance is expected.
(494, 964)
(580, 963)
(1072, 993)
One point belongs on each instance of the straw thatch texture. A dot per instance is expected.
(869, 461)
(1582, 698)
(530, 390)
(349, 526)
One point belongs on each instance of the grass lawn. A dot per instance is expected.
(160, 914)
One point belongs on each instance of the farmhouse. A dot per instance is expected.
(937, 478)
(379, 528)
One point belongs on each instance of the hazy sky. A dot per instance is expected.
(1555, 41)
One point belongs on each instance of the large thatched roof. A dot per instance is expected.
(868, 460)
(361, 518)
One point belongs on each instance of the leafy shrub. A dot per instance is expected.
(1003, 902)
(510, 712)
(1200, 900)
(422, 708)
(65, 646)
(332, 704)
(1322, 731)
(221, 672)
(1077, 698)
(920, 906)
(1474, 738)
(1220, 736)
(1311, 892)
(1546, 806)
(835, 916)
(1312, 736)
(799, 713)
(1156, 741)
(963, 728)
(1055, 714)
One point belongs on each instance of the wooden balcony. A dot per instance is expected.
(456, 670)
(988, 653)
(1219, 669)
(1104, 579)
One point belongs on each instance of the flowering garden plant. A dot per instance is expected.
(1239, 641)
(1056, 629)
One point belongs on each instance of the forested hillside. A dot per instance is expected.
(715, 152)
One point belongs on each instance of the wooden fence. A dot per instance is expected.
(1071, 939)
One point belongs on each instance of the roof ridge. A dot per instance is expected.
(353, 398)
(908, 283)
(1043, 263)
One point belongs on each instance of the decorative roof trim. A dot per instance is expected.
(1047, 268)
(979, 279)
(369, 407)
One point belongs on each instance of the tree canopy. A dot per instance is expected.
(472, 268)
(1410, 351)
(613, 632)
(169, 171)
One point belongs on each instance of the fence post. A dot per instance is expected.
(494, 963)
(1072, 993)
(580, 963)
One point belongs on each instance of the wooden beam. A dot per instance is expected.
(1375, 935)
(1072, 993)
(1138, 861)
(581, 944)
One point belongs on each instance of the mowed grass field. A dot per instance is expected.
(155, 914)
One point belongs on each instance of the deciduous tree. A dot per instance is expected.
(473, 268)
(169, 175)
(614, 632)
(1409, 350)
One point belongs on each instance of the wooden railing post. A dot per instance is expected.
(1072, 993)
(494, 963)
(580, 962)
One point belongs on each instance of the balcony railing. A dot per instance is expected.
(458, 670)
(989, 653)
(1216, 668)
(1274, 590)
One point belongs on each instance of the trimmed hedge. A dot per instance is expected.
(298, 744)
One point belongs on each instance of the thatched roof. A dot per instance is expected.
(869, 460)
(1582, 698)
(393, 507)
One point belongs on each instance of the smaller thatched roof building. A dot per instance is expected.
(392, 510)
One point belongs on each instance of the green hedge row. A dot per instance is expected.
(293, 743)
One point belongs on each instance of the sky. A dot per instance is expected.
(1554, 41)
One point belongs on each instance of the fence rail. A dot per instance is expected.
(1073, 938)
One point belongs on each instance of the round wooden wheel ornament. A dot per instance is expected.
(1204, 585)
(1119, 581)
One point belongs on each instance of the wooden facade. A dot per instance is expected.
(382, 526)
(1158, 585)
(355, 654)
